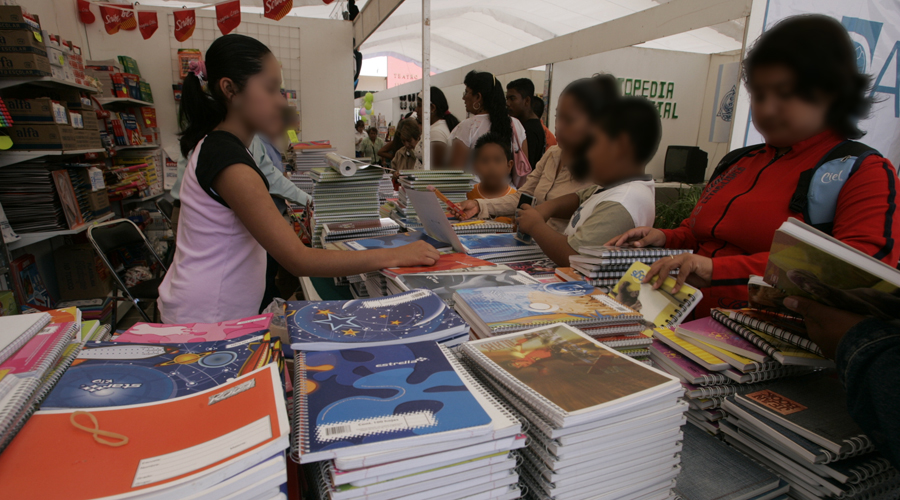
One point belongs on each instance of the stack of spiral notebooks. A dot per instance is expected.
(800, 429)
(402, 422)
(601, 425)
(604, 266)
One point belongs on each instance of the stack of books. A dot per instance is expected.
(340, 231)
(494, 311)
(402, 422)
(500, 248)
(713, 470)
(30, 347)
(92, 309)
(36, 198)
(800, 429)
(601, 425)
(343, 199)
(418, 315)
(387, 281)
(229, 439)
(386, 189)
(446, 284)
(604, 266)
(307, 156)
(454, 184)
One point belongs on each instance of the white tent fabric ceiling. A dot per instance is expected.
(467, 31)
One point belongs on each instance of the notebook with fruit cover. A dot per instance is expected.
(414, 316)
(108, 374)
(157, 333)
(814, 406)
(567, 376)
(712, 470)
(660, 307)
(513, 308)
(175, 447)
(381, 398)
(809, 263)
(446, 284)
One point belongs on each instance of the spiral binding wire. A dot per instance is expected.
(50, 380)
(626, 318)
(300, 429)
(868, 470)
(647, 252)
(686, 307)
(744, 332)
(790, 338)
(22, 339)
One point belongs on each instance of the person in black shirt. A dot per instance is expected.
(519, 94)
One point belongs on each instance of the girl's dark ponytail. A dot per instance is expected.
(442, 108)
(236, 57)
(494, 100)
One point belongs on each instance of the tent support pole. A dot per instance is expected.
(426, 84)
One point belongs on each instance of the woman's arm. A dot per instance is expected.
(459, 154)
(242, 188)
(438, 154)
(554, 244)
(559, 208)
(387, 151)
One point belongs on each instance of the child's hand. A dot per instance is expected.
(470, 207)
(528, 218)
(417, 254)
(639, 237)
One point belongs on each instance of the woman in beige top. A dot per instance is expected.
(562, 169)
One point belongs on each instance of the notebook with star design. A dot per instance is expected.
(414, 316)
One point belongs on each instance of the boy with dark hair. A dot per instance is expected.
(537, 105)
(626, 136)
(519, 94)
(493, 162)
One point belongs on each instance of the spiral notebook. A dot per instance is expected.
(608, 252)
(712, 332)
(414, 316)
(814, 406)
(660, 307)
(568, 377)
(16, 330)
(381, 398)
(446, 284)
(684, 368)
(492, 311)
(781, 351)
(157, 333)
(790, 330)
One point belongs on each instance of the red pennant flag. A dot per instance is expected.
(84, 12)
(228, 15)
(112, 18)
(276, 9)
(129, 22)
(147, 23)
(185, 22)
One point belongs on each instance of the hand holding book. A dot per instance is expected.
(826, 325)
(693, 269)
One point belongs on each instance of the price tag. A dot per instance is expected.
(292, 135)
(38, 37)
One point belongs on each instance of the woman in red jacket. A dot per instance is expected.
(806, 97)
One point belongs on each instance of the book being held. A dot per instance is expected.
(809, 263)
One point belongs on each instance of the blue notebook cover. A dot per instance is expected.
(411, 316)
(378, 394)
(125, 373)
(571, 302)
(394, 241)
(486, 243)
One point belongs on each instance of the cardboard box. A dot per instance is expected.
(24, 41)
(98, 201)
(91, 122)
(13, 18)
(49, 137)
(87, 139)
(80, 273)
(21, 64)
(41, 110)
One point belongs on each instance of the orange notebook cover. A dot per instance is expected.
(446, 262)
(170, 443)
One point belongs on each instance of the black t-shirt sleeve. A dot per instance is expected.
(219, 151)
(537, 139)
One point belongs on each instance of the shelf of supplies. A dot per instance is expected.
(12, 157)
(45, 81)
(145, 198)
(32, 238)
(122, 101)
(138, 146)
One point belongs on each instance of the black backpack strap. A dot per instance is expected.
(731, 158)
(843, 151)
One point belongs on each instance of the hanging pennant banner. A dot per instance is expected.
(276, 9)
(116, 18)
(129, 22)
(84, 12)
(147, 23)
(228, 16)
(185, 22)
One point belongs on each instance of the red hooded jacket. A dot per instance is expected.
(738, 212)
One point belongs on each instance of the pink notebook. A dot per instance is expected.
(157, 333)
(675, 363)
(41, 352)
(712, 332)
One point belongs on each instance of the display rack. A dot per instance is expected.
(136, 146)
(13, 157)
(46, 81)
(32, 238)
(122, 101)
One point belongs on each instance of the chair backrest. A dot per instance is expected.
(165, 207)
(110, 236)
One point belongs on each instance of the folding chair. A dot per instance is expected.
(111, 236)
(165, 207)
